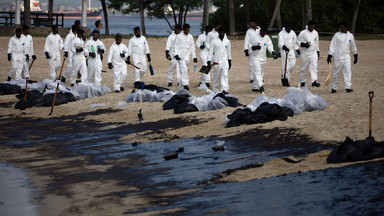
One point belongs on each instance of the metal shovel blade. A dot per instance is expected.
(140, 115)
(284, 82)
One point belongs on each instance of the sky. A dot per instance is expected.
(67, 3)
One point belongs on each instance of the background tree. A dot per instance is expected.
(205, 14)
(105, 13)
(27, 13)
(132, 6)
(231, 7)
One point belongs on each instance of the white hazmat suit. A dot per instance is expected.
(170, 46)
(184, 48)
(137, 49)
(67, 48)
(28, 43)
(17, 49)
(258, 58)
(78, 61)
(95, 65)
(201, 40)
(290, 41)
(249, 41)
(219, 54)
(119, 66)
(342, 45)
(309, 57)
(53, 45)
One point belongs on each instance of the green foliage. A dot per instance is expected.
(326, 13)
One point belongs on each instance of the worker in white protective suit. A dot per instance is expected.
(17, 55)
(78, 58)
(204, 52)
(308, 40)
(138, 48)
(28, 43)
(68, 53)
(184, 49)
(116, 54)
(249, 41)
(169, 48)
(342, 44)
(93, 49)
(220, 59)
(52, 47)
(258, 57)
(287, 42)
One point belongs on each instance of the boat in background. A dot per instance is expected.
(76, 14)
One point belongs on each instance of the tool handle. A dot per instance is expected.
(285, 68)
(30, 66)
(54, 98)
(26, 88)
(370, 94)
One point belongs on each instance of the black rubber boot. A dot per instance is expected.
(9, 79)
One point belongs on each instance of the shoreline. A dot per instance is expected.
(51, 164)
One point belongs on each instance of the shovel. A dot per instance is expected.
(329, 77)
(370, 94)
(284, 80)
(140, 115)
(57, 87)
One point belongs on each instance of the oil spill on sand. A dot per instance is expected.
(144, 167)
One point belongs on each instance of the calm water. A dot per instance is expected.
(125, 24)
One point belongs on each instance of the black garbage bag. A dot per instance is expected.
(175, 101)
(266, 112)
(350, 151)
(152, 87)
(61, 98)
(7, 89)
(34, 98)
(185, 107)
(232, 101)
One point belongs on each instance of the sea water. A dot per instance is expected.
(119, 24)
(15, 192)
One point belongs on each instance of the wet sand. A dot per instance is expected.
(69, 179)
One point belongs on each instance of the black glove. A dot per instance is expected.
(229, 63)
(66, 54)
(329, 59)
(257, 47)
(318, 54)
(47, 55)
(285, 48)
(110, 66)
(208, 63)
(167, 55)
(246, 52)
(128, 61)
(100, 51)
(177, 57)
(9, 56)
(195, 60)
(84, 39)
(149, 57)
(355, 56)
(79, 50)
(34, 57)
(274, 55)
(306, 45)
(122, 55)
(93, 55)
(298, 52)
(27, 58)
(202, 46)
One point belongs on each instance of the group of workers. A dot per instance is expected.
(84, 57)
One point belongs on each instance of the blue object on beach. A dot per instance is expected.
(151, 70)
(142, 84)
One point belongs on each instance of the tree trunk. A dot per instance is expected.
(50, 9)
(143, 31)
(105, 12)
(247, 16)
(277, 6)
(308, 9)
(302, 13)
(205, 14)
(27, 13)
(278, 22)
(231, 6)
(353, 29)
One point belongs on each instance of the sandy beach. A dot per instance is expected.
(345, 115)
